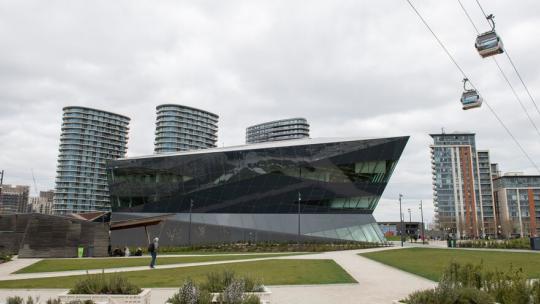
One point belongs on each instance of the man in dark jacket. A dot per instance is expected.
(152, 249)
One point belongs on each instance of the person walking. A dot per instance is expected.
(152, 249)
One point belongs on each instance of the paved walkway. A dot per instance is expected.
(377, 283)
(9, 275)
(7, 268)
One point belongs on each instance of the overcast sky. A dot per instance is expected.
(352, 68)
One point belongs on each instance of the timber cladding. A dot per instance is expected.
(49, 236)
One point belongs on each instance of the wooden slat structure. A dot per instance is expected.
(50, 236)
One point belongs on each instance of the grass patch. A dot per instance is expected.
(430, 263)
(272, 272)
(50, 265)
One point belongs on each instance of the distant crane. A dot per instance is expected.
(35, 184)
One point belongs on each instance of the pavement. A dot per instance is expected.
(8, 275)
(377, 283)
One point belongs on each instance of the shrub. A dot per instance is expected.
(270, 247)
(54, 301)
(446, 295)
(504, 287)
(101, 284)
(218, 281)
(205, 297)
(189, 293)
(521, 243)
(19, 300)
(15, 300)
(535, 292)
(251, 299)
(253, 285)
(233, 293)
(4, 257)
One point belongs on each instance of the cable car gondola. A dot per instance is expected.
(470, 98)
(489, 43)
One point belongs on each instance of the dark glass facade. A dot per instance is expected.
(328, 177)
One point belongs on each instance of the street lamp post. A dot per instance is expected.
(299, 202)
(422, 217)
(1, 183)
(400, 220)
(409, 209)
(189, 229)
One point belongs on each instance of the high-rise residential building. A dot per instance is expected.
(487, 210)
(462, 186)
(42, 203)
(183, 128)
(518, 203)
(89, 139)
(14, 199)
(283, 129)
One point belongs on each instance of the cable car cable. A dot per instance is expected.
(502, 72)
(465, 76)
(513, 65)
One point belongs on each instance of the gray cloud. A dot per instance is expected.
(352, 68)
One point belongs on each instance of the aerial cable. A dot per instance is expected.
(465, 76)
(513, 65)
(502, 72)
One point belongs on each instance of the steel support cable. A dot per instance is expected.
(465, 76)
(513, 65)
(502, 72)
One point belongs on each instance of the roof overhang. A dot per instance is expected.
(139, 222)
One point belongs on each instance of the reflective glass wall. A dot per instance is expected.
(327, 177)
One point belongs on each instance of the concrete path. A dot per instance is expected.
(377, 283)
(9, 267)
(19, 276)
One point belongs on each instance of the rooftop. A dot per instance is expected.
(265, 145)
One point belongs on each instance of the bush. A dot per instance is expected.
(187, 294)
(217, 282)
(231, 288)
(101, 284)
(5, 258)
(19, 300)
(509, 287)
(15, 300)
(251, 299)
(444, 295)
(536, 292)
(270, 247)
(522, 243)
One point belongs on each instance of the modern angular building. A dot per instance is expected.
(89, 138)
(308, 190)
(518, 203)
(462, 187)
(284, 129)
(182, 128)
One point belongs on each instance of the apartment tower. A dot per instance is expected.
(290, 128)
(183, 128)
(462, 187)
(89, 138)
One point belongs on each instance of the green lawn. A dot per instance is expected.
(272, 272)
(49, 265)
(430, 263)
